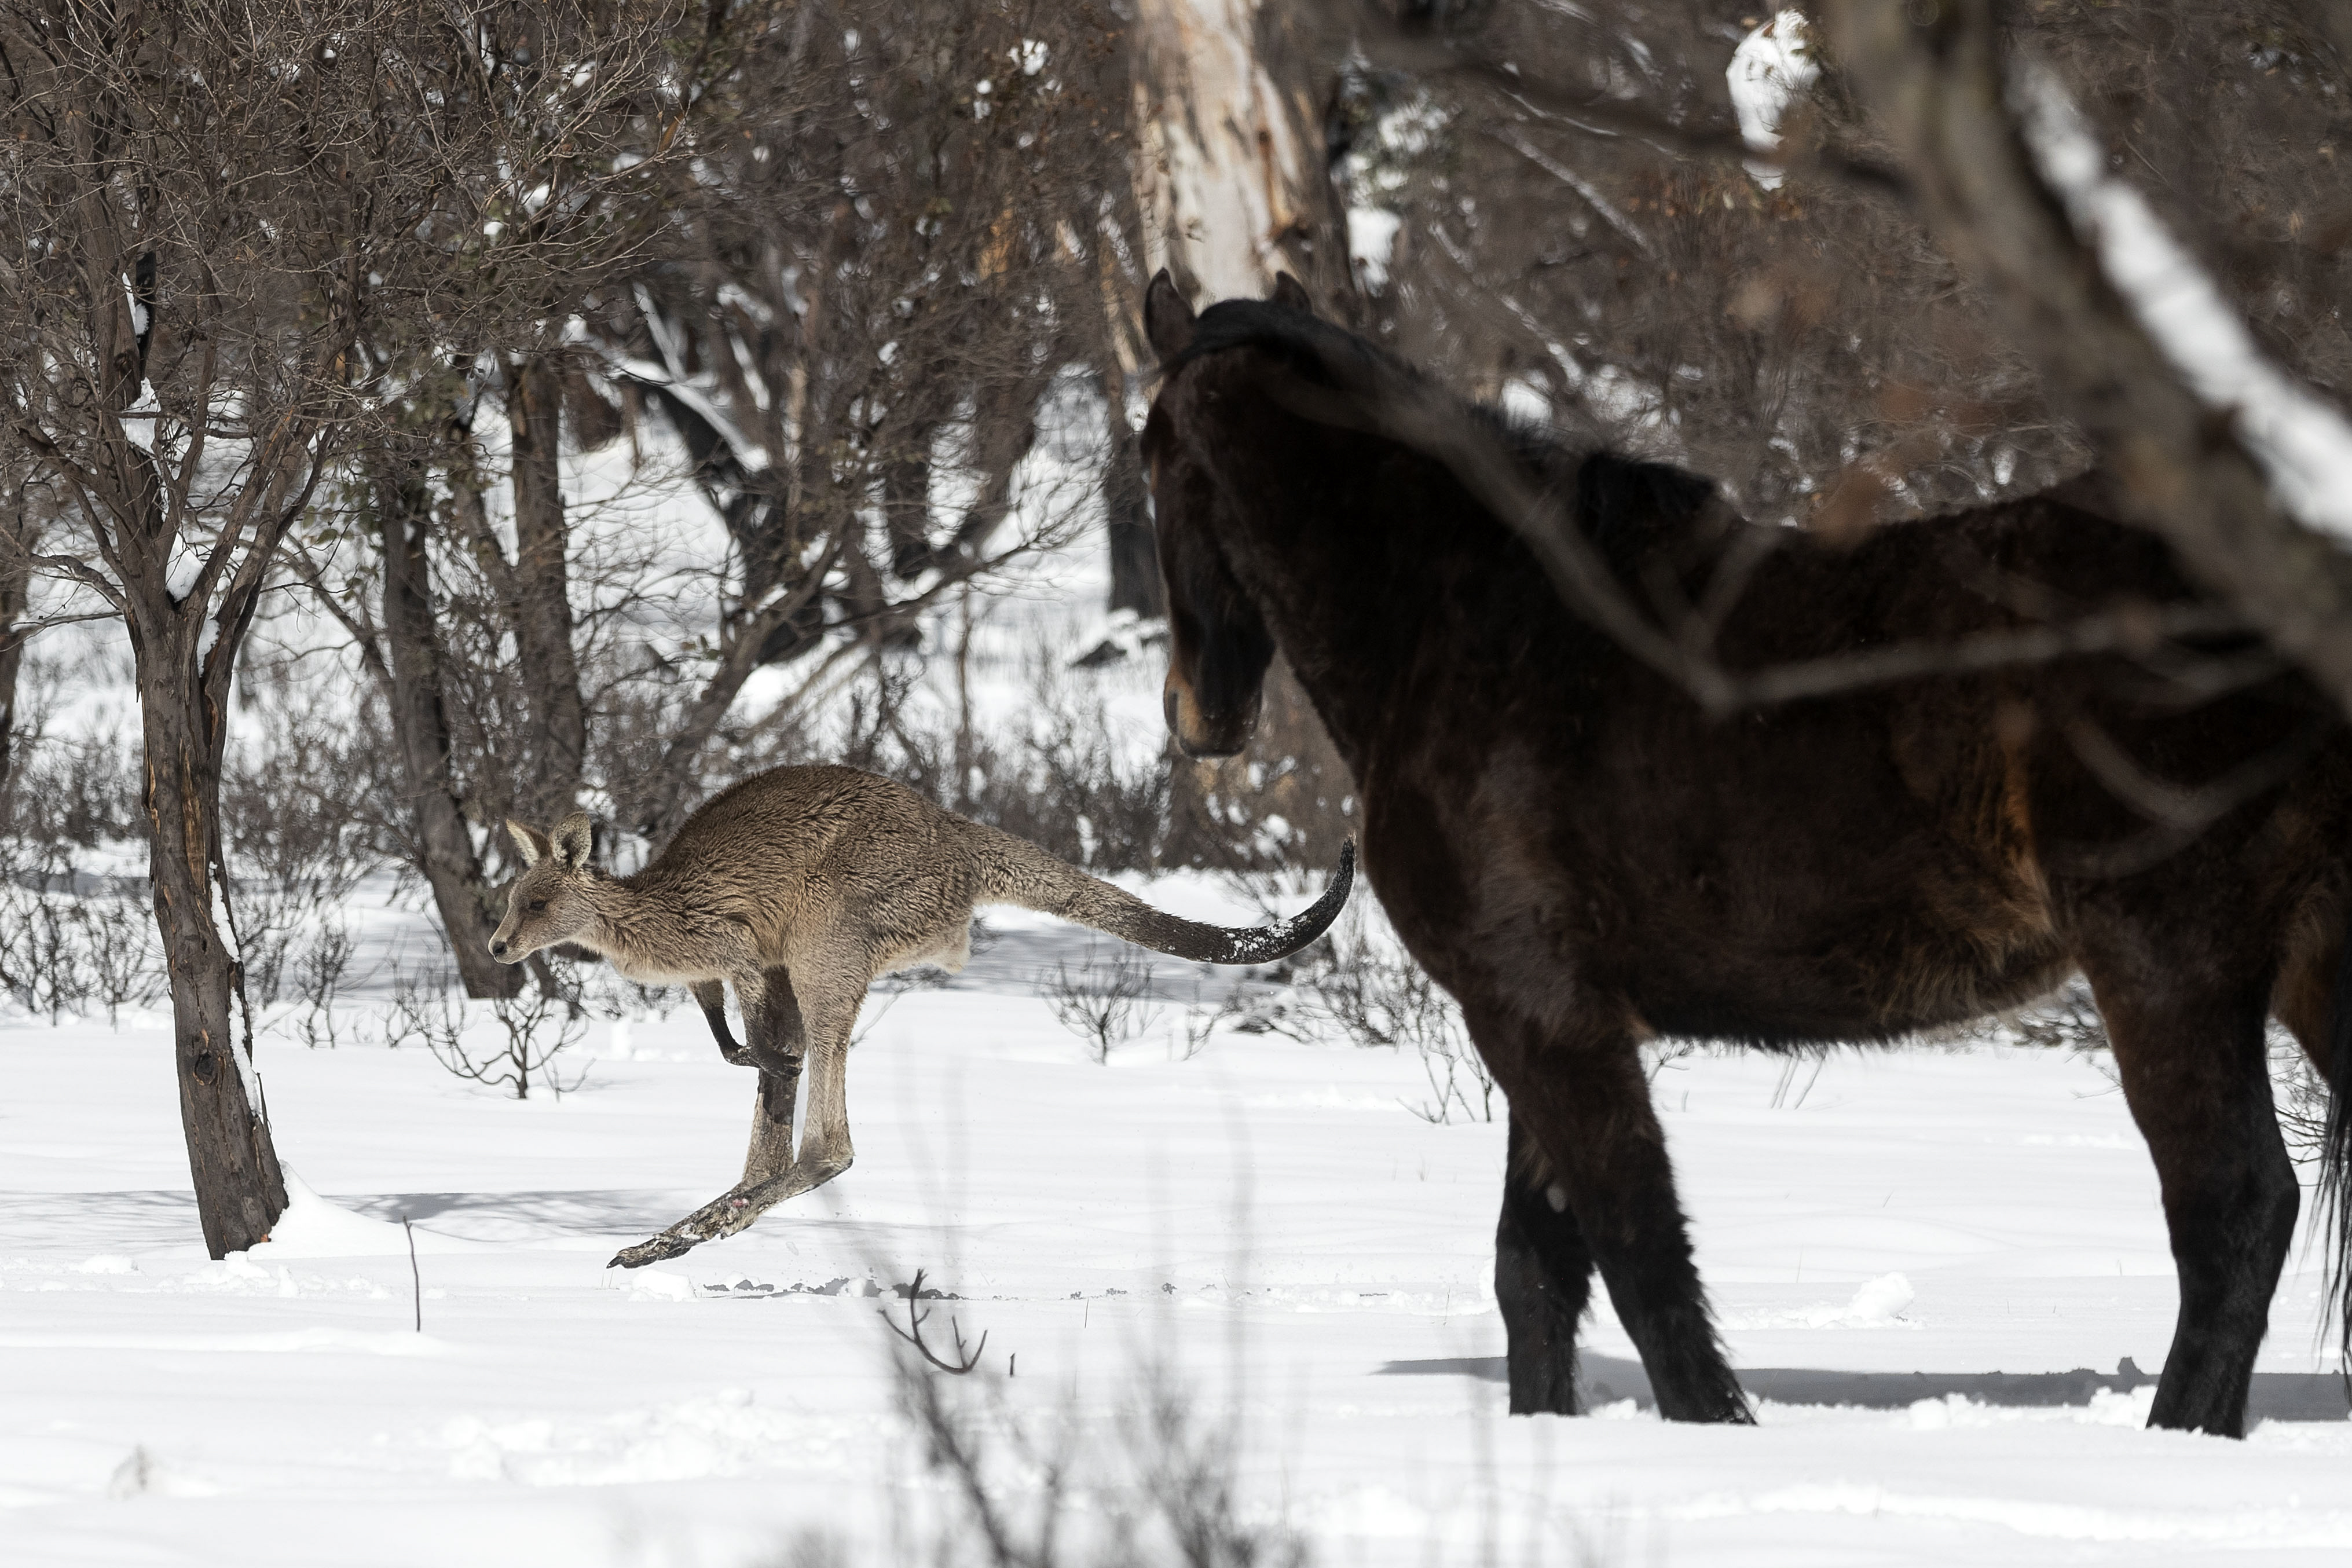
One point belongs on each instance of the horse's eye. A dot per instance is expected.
(539, 906)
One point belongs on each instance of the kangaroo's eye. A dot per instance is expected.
(539, 906)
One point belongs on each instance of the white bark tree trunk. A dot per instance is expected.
(1232, 181)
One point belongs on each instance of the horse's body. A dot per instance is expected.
(1585, 858)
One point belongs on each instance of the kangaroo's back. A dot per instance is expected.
(794, 816)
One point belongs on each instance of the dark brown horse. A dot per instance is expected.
(1586, 859)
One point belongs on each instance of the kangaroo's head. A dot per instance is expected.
(550, 901)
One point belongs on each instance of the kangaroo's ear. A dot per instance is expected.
(529, 840)
(1291, 294)
(1167, 318)
(574, 840)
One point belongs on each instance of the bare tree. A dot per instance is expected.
(561, 126)
(222, 218)
(874, 292)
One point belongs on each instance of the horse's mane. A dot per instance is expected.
(1613, 493)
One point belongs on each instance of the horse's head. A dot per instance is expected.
(1218, 645)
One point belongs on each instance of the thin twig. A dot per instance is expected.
(913, 1333)
(415, 1279)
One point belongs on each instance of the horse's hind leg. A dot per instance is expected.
(1543, 1280)
(2192, 1059)
(1583, 1098)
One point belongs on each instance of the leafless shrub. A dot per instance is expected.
(1201, 1021)
(324, 966)
(1057, 776)
(299, 841)
(1361, 980)
(534, 1029)
(424, 1012)
(1161, 1491)
(116, 937)
(61, 951)
(2068, 1020)
(2302, 1097)
(1106, 1003)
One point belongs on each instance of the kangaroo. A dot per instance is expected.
(799, 887)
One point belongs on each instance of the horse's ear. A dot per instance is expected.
(1168, 319)
(1292, 295)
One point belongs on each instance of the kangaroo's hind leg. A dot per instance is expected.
(826, 1016)
(773, 1019)
(779, 1013)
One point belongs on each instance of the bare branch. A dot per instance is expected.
(961, 1363)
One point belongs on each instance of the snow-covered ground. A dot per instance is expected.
(1266, 1230)
(1265, 1223)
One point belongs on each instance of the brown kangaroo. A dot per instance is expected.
(798, 887)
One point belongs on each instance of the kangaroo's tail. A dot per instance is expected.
(1018, 872)
(2335, 1153)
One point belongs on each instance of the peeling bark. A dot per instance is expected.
(1233, 180)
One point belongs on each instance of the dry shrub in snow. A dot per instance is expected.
(63, 952)
(501, 1043)
(2067, 1019)
(1021, 1491)
(1106, 1003)
(1361, 984)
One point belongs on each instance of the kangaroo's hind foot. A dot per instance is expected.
(731, 1211)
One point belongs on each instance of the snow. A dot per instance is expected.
(2302, 444)
(1266, 1227)
(1267, 1223)
(1371, 240)
(1771, 68)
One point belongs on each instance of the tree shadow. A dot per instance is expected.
(2275, 1396)
(523, 1215)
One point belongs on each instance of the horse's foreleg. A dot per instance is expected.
(1586, 1105)
(2195, 1075)
(1543, 1280)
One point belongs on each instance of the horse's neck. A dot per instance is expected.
(1346, 634)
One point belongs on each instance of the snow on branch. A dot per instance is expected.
(1771, 68)
(2305, 446)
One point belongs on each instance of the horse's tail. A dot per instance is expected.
(1016, 871)
(2335, 1153)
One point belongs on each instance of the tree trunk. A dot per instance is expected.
(240, 1190)
(18, 543)
(1126, 508)
(1232, 181)
(420, 727)
(543, 587)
